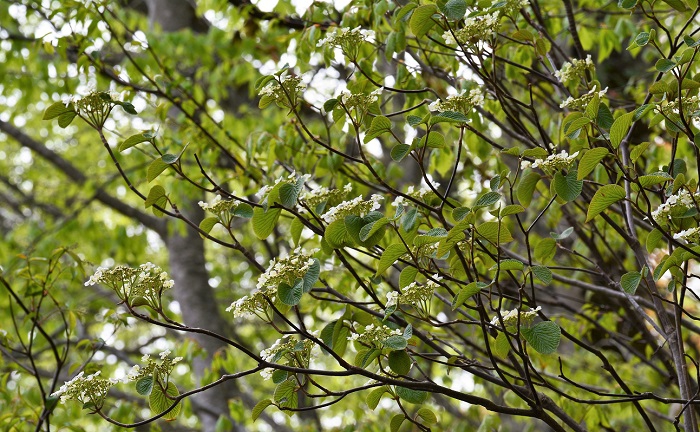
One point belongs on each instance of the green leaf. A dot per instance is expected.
(375, 396)
(642, 39)
(207, 224)
(399, 151)
(395, 342)
(604, 198)
(262, 81)
(619, 128)
(545, 249)
(291, 295)
(542, 273)
(494, 232)
(526, 188)
(665, 65)
(453, 10)
(572, 129)
(133, 140)
(448, 117)
(511, 209)
(501, 346)
(395, 422)
(155, 169)
(311, 275)
(407, 276)
(154, 195)
(144, 385)
(337, 234)
(368, 230)
(568, 187)
(243, 210)
(286, 394)
(422, 20)
(159, 402)
(593, 106)
(264, 221)
(653, 239)
(523, 35)
(169, 158)
(295, 229)
(427, 415)
(329, 105)
(676, 4)
(402, 13)
(466, 292)
(508, 264)
(259, 408)
(288, 194)
(400, 362)
(487, 199)
(66, 119)
(414, 120)
(128, 107)
(365, 357)
(660, 87)
(638, 151)
(389, 257)
(604, 118)
(412, 396)
(408, 332)
(590, 160)
(654, 179)
(447, 243)
(380, 125)
(627, 4)
(630, 281)
(543, 337)
(279, 376)
(408, 220)
(56, 109)
(536, 153)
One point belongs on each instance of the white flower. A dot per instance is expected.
(164, 354)
(555, 162)
(391, 298)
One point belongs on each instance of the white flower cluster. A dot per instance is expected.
(359, 101)
(463, 102)
(357, 206)
(475, 29)
(555, 162)
(675, 205)
(414, 294)
(581, 102)
(290, 179)
(296, 353)
(162, 368)
(285, 94)
(374, 335)
(422, 192)
(691, 235)
(347, 39)
(574, 70)
(85, 389)
(322, 194)
(94, 389)
(510, 318)
(284, 269)
(511, 7)
(691, 105)
(218, 205)
(148, 281)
